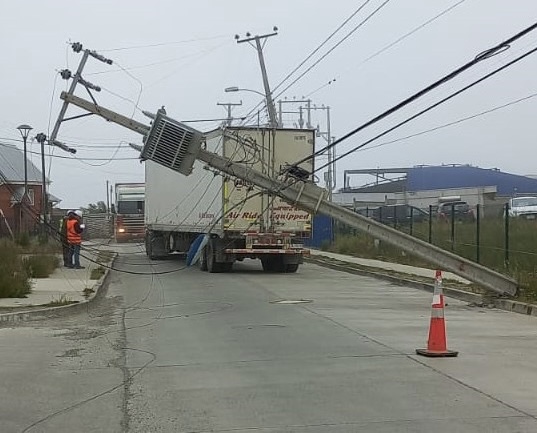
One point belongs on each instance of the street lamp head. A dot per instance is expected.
(24, 130)
(231, 89)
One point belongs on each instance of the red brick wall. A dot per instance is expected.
(12, 213)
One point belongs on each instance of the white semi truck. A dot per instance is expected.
(243, 222)
(129, 211)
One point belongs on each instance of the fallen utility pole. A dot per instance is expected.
(302, 193)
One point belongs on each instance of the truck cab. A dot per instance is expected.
(129, 212)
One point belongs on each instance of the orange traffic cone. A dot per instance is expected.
(437, 345)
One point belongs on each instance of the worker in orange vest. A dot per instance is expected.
(74, 238)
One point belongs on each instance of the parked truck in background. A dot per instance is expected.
(523, 207)
(242, 221)
(129, 204)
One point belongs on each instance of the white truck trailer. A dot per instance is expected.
(242, 221)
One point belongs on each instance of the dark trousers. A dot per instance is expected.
(74, 255)
(66, 257)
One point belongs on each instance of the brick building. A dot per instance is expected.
(15, 214)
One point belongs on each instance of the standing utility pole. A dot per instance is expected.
(229, 105)
(41, 138)
(268, 94)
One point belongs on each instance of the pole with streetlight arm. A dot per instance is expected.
(25, 131)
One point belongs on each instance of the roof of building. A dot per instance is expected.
(12, 166)
(443, 177)
(422, 178)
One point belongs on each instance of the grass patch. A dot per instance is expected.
(522, 251)
(97, 273)
(41, 265)
(62, 300)
(14, 279)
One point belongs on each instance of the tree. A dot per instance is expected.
(99, 207)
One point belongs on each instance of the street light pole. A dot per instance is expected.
(25, 131)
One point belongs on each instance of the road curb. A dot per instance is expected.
(448, 291)
(47, 312)
(472, 298)
(516, 307)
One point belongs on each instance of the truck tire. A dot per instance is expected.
(268, 264)
(273, 264)
(291, 268)
(226, 267)
(212, 265)
(153, 253)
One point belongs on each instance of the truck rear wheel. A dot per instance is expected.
(268, 264)
(212, 265)
(291, 268)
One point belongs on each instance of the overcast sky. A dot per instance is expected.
(194, 57)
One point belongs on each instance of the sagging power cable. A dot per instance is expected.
(497, 49)
(429, 108)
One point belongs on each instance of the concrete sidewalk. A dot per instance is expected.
(379, 264)
(63, 286)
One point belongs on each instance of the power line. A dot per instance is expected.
(75, 158)
(420, 113)
(321, 44)
(163, 44)
(455, 122)
(497, 49)
(391, 44)
(364, 21)
(349, 34)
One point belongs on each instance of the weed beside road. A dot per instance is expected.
(512, 252)
(14, 279)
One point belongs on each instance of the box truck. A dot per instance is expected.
(241, 221)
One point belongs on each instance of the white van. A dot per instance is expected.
(525, 207)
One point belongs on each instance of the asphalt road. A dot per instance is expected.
(177, 350)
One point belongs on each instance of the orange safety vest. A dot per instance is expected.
(72, 236)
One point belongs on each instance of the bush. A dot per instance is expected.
(22, 239)
(97, 273)
(14, 281)
(41, 265)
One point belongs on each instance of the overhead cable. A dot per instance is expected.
(429, 108)
(392, 44)
(499, 48)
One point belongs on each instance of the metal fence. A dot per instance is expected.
(98, 226)
(484, 234)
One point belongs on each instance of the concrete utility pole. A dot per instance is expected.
(268, 94)
(228, 105)
(41, 138)
(76, 79)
